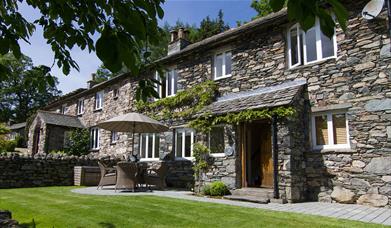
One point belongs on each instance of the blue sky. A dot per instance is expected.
(188, 11)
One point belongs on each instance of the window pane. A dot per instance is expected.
(219, 65)
(310, 42)
(169, 83)
(228, 62)
(216, 140)
(142, 145)
(321, 130)
(327, 46)
(294, 50)
(188, 144)
(163, 88)
(339, 129)
(157, 146)
(150, 145)
(175, 85)
(179, 144)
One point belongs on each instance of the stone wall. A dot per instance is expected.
(57, 170)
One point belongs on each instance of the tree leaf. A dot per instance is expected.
(277, 4)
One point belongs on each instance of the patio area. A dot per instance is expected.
(342, 211)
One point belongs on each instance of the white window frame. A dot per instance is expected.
(216, 154)
(192, 141)
(330, 133)
(80, 106)
(147, 158)
(95, 133)
(114, 137)
(99, 100)
(172, 82)
(318, 45)
(223, 75)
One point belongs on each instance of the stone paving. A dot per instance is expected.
(335, 210)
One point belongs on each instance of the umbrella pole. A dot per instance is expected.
(133, 139)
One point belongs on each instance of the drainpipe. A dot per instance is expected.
(276, 193)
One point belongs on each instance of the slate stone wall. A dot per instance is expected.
(57, 170)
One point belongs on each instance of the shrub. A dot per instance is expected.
(217, 188)
(79, 142)
(7, 145)
(206, 190)
(20, 142)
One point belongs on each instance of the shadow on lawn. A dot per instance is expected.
(106, 225)
(31, 224)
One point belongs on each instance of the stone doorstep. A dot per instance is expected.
(252, 199)
(255, 192)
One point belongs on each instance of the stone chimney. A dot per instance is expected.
(179, 40)
(91, 83)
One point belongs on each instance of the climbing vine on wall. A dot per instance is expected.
(183, 105)
(205, 122)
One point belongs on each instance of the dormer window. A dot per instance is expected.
(169, 85)
(99, 100)
(222, 65)
(309, 47)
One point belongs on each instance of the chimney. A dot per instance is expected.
(91, 83)
(179, 40)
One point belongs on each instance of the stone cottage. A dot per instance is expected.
(335, 148)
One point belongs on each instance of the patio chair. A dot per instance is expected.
(108, 175)
(126, 176)
(157, 176)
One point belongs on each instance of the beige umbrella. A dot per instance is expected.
(133, 122)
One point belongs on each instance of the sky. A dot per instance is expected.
(187, 11)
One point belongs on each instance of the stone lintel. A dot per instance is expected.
(331, 107)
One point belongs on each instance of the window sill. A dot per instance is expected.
(113, 143)
(222, 77)
(184, 158)
(80, 114)
(149, 159)
(98, 110)
(311, 64)
(115, 98)
(95, 150)
(218, 155)
(334, 150)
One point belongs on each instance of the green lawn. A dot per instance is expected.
(58, 207)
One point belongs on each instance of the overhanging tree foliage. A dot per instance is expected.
(25, 89)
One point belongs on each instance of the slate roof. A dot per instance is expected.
(266, 97)
(17, 126)
(60, 119)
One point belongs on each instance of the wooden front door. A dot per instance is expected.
(266, 158)
(257, 162)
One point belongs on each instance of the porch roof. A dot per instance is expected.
(265, 97)
(60, 119)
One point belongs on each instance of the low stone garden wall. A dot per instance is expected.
(57, 170)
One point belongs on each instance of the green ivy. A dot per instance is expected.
(207, 121)
(183, 105)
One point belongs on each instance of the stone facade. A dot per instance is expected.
(357, 81)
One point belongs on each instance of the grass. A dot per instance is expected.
(58, 207)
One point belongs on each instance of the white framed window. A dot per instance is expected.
(64, 109)
(309, 47)
(95, 138)
(330, 130)
(184, 140)
(149, 146)
(99, 100)
(80, 106)
(222, 65)
(114, 137)
(169, 84)
(216, 141)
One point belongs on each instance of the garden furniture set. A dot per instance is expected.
(131, 175)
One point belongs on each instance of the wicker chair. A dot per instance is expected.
(126, 176)
(108, 175)
(157, 176)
